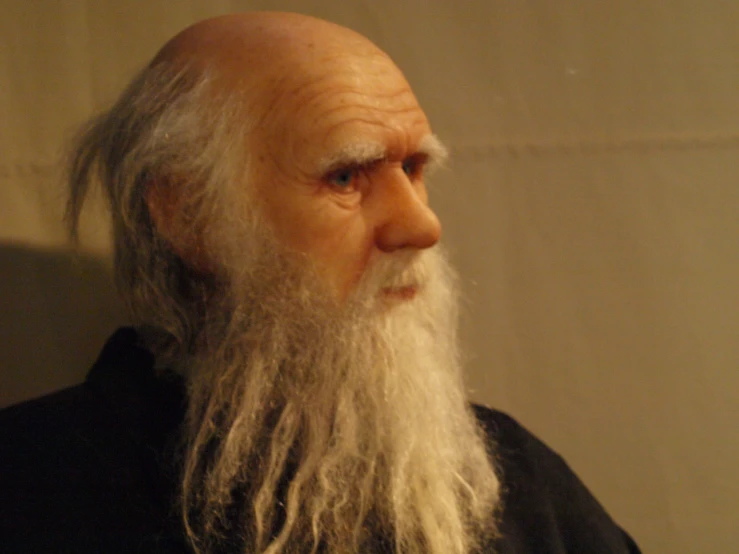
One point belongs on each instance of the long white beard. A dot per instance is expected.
(315, 424)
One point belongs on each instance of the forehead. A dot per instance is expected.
(342, 100)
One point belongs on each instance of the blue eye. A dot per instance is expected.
(409, 167)
(343, 178)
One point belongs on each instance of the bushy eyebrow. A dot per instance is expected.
(365, 153)
(434, 151)
(356, 154)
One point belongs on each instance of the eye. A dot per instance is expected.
(343, 178)
(408, 167)
(412, 166)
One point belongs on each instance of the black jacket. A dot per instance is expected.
(91, 469)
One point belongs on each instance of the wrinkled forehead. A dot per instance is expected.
(338, 100)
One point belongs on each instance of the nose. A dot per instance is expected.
(406, 220)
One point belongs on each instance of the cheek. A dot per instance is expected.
(343, 243)
(339, 241)
(315, 229)
(333, 232)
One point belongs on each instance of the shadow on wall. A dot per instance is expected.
(56, 311)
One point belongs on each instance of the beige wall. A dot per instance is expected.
(591, 206)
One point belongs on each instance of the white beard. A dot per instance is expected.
(314, 424)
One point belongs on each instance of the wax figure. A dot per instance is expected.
(292, 382)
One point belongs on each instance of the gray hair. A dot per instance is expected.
(170, 125)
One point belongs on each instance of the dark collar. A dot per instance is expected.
(149, 404)
(149, 407)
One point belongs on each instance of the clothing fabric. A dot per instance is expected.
(93, 469)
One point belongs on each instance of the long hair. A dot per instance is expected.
(170, 126)
(319, 427)
(365, 421)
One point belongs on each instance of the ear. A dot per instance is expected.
(169, 215)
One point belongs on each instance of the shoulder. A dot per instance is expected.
(544, 503)
(75, 476)
(502, 428)
(39, 434)
(518, 452)
(83, 423)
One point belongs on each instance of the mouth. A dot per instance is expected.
(407, 292)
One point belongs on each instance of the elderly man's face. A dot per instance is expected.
(338, 163)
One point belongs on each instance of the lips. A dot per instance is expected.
(406, 292)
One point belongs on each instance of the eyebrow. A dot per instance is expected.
(365, 153)
(434, 150)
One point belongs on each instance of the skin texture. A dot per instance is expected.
(337, 147)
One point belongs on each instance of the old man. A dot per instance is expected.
(292, 383)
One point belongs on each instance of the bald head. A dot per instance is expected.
(252, 48)
(282, 159)
(268, 31)
(318, 101)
